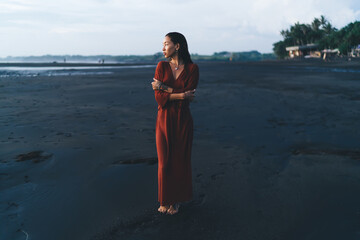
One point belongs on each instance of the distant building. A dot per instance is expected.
(355, 52)
(330, 53)
(310, 50)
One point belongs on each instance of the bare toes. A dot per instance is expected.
(173, 209)
(163, 209)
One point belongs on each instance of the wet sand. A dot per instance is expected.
(276, 155)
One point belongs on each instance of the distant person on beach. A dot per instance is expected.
(174, 85)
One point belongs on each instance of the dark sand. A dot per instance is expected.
(276, 155)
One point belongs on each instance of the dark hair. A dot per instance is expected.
(183, 50)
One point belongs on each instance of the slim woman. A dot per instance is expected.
(174, 85)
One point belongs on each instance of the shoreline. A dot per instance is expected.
(60, 64)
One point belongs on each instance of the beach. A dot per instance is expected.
(275, 154)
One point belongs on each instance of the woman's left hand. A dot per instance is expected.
(190, 95)
(156, 84)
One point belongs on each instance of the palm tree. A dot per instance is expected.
(320, 31)
(297, 32)
(323, 20)
(315, 25)
(328, 28)
(285, 33)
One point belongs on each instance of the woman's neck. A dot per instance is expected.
(175, 60)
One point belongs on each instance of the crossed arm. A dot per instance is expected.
(158, 85)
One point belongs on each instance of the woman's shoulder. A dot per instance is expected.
(192, 66)
(161, 63)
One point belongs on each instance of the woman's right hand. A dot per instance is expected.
(156, 84)
(189, 95)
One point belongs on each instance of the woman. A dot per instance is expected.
(174, 85)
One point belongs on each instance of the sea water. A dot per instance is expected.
(63, 71)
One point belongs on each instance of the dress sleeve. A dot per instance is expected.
(161, 97)
(192, 82)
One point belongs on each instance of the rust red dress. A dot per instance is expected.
(174, 135)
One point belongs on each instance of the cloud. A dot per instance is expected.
(138, 26)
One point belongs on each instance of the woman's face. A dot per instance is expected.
(169, 48)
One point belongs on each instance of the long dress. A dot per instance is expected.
(174, 135)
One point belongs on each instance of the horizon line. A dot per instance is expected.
(94, 55)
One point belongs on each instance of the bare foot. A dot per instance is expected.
(173, 209)
(163, 209)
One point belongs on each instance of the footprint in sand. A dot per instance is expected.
(150, 161)
(201, 199)
(26, 179)
(217, 175)
(35, 156)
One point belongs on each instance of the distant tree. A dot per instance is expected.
(280, 49)
(158, 56)
(351, 37)
(301, 34)
(321, 32)
(344, 39)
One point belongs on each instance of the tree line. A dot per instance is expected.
(321, 32)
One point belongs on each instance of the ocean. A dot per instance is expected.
(34, 71)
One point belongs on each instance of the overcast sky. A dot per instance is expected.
(119, 27)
